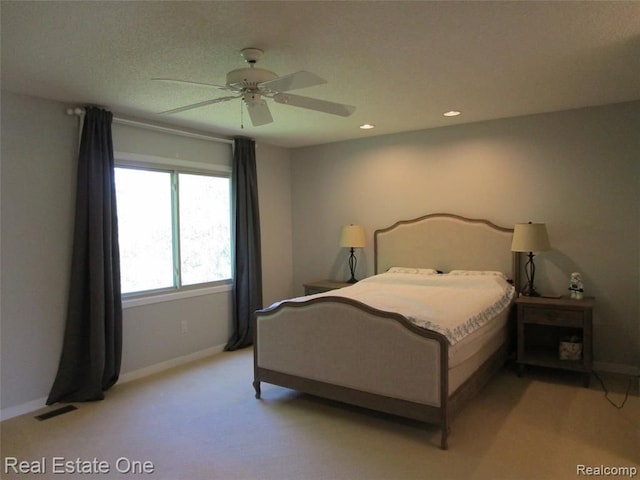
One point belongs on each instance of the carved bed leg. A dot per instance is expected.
(445, 429)
(256, 386)
(444, 441)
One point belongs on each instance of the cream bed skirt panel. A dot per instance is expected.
(459, 373)
(339, 344)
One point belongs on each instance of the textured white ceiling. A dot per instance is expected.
(402, 64)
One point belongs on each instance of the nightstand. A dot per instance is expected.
(544, 322)
(323, 286)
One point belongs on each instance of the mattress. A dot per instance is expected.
(468, 357)
(464, 306)
(472, 343)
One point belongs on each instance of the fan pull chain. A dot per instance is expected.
(241, 115)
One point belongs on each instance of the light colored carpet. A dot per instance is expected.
(201, 421)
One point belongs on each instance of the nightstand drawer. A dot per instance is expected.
(553, 316)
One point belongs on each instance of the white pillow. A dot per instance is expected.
(478, 272)
(416, 271)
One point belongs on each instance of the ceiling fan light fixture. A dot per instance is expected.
(452, 113)
(367, 126)
(252, 98)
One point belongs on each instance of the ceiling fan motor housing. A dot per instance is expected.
(249, 77)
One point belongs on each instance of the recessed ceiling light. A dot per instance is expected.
(367, 126)
(452, 113)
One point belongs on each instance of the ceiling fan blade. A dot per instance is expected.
(314, 104)
(188, 82)
(259, 113)
(293, 81)
(199, 104)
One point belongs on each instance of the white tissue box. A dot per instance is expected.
(570, 349)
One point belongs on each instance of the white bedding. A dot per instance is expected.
(454, 305)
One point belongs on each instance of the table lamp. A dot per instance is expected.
(352, 237)
(530, 237)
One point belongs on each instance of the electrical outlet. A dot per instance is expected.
(184, 327)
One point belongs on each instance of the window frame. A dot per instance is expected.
(175, 167)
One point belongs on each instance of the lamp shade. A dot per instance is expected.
(530, 237)
(352, 236)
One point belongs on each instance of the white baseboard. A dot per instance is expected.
(174, 362)
(32, 406)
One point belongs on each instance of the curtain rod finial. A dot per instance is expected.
(75, 111)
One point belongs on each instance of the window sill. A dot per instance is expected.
(171, 296)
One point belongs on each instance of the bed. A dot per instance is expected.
(368, 346)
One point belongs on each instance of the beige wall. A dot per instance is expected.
(38, 180)
(577, 171)
(274, 191)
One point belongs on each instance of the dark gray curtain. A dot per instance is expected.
(92, 349)
(247, 277)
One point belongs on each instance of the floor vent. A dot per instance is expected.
(56, 412)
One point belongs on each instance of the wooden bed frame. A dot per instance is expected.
(341, 349)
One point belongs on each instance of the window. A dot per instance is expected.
(174, 228)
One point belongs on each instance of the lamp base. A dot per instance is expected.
(530, 293)
(353, 261)
(530, 269)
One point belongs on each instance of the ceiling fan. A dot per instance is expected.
(253, 85)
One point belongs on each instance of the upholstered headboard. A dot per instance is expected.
(446, 242)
